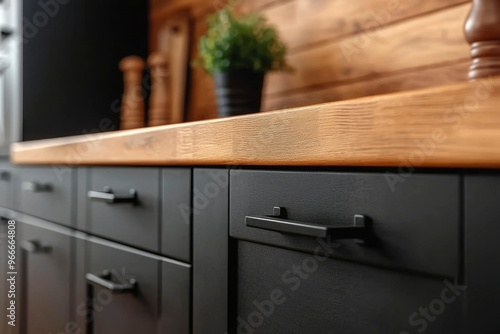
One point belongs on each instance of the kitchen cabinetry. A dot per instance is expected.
(135, 292)
(46, 253)
(72, 280)
(358, 253)
(261, 251)
(482, 191)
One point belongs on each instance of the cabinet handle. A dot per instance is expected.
(106, 280)
(4, 175)
(36, 187)
(278, 223)
(107, 196)
(35, 247)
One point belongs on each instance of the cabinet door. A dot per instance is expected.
(46, 278)
(289, 292)
(125, 286)
(482, 196)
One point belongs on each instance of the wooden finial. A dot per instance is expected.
(158, 101)
(132, 112)
(482, 30)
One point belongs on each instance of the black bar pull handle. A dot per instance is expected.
(35, 247)
(107, 196)
(36, 187)
(278, 223)
(112, 281)
(4, 175)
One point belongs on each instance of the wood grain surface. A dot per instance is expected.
(449, 126)
(353, 45)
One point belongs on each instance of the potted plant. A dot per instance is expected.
(238, 52)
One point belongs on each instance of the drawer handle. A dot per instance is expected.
(278, 223)
(35, 247)
(4, 175)
(107, 196)
(36, 187)
(107, 280)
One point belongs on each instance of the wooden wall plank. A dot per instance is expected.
(304, 22)
(421, 78)
(426, 40)
(411, 38)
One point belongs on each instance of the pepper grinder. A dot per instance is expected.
(482, 30)
(132, 109)
(159, 102)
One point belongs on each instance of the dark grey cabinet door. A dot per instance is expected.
(283, 291)
(136, 224)
(136, 310)
(126, 313)
(415, 224)
(47, 194)
(482, 196)
(7, 195)
(46, 273)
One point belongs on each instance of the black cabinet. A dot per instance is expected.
(482, 194)
(283, 291)
(71, 50)
(344, 253)
(46, 194)
(123, 204)
(414, 226)
(134, 291)
(46, 253)
(210, 251)
(7, 186)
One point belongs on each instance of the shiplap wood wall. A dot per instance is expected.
(341, 49)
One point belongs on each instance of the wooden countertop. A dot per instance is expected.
(448, 126)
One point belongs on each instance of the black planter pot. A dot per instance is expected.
(238, 92)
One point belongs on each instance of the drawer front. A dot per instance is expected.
(283, 291)
(137, 308)
(176, 214)
(46, 194)
(414, 224)
(7, 179)
(47, 272)
(134, 222)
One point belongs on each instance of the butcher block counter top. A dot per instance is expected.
(448, 126)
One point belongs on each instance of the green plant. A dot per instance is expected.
(241, 43)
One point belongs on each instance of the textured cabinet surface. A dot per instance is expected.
(201, 269)
(482, 195)
(415, 224)
(176, 213)
(283, 291)
(210, 251)
(46, 194)
(160, 300)
(7, 185)
(133, 224)
(46, 277)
